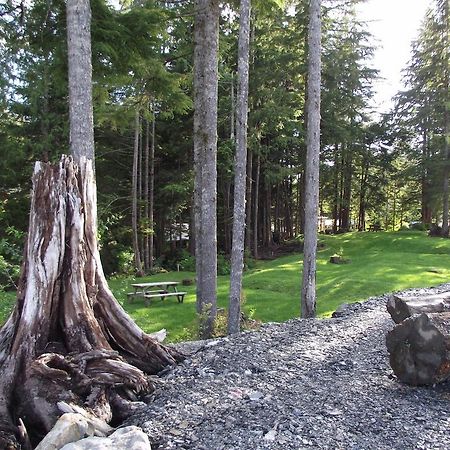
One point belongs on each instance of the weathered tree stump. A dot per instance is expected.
(337, 259)
(401, 307)
(68, 339)
(419, 349)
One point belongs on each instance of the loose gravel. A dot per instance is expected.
(303, 384)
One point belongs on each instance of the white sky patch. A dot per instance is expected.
(394, 24)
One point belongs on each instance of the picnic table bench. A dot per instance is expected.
(157, 289)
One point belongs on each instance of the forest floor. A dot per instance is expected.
(303, 384)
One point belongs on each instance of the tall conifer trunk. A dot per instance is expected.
(151, 194)
(308, 298)
(134, 199)
(446, 118)
(206, 36)
(240, 165)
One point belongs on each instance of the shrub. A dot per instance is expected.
(418, 226)
(117, 259)
(223, 265)
(10, 258)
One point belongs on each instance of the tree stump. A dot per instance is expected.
(68, 339)
(419, 349)
(337, 259)
(402, 307)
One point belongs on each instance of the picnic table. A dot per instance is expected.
(156, 289)
(375, 227)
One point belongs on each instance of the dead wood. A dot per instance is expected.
(419, 349)
(68, 339)
(401, 307)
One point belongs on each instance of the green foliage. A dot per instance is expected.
(418, 226)
(187, 262)
(223, 265)
(10, 258)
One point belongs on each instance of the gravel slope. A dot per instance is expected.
(304, 384)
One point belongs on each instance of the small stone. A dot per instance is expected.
(255, 396)
(175, 432)
(270, 436)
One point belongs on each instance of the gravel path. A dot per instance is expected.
(304, 384)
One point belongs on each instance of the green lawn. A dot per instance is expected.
(380, 262)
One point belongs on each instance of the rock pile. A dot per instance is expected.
(304, 384)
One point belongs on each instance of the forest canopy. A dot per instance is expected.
(388, 170)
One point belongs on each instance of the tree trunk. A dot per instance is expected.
(206, 35)
(134, 200)
(266, 233)
(419, 349)
(232, 111)
(68, 339)
(401, 307)
(446, 117)
(362, 194)
(151, 194)
(336, 202)
(226, 189)
(146, 197)
(81, 128)
(347, 188)
(308, 298)
(426, 212)
(240, 166)
(140, 194)
(248, 214)
(256, 207)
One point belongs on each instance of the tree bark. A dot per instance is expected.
(347, 188)
(446, 117)
(151, 194)
(68, 338)
(419, 349)
(336, 200)
(240, 166)
(134, 199)
(426, 212)
(206, 35)
(308, 298)
(146, 197)
(81, 130)
(362, 194)
(256, 207)
(248, 214)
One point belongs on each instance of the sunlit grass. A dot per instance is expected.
(380, 263)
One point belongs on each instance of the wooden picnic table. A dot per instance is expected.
(156, 289)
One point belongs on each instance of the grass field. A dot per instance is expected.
(380, 262)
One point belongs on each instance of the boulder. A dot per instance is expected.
(127, 438)
(69, 427)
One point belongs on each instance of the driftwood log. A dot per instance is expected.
(401, 307)
(419, 349)
(68, 339)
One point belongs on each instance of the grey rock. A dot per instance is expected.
(69, 427)
(128, 438)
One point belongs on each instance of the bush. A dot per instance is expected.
(10, 258)
(249, 262)
(418, 226)
(187, 263)
(117, 259)
(223, 265)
